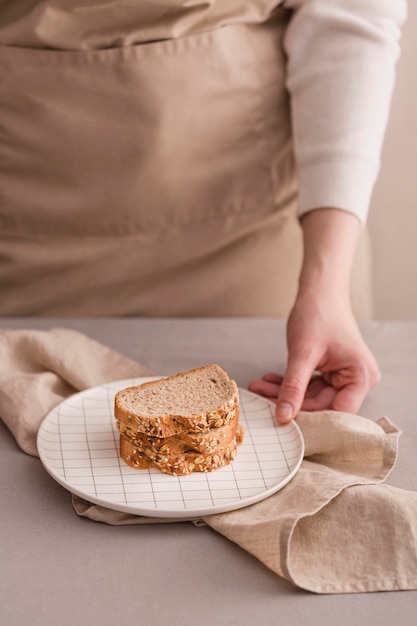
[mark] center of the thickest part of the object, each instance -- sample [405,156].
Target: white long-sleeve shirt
[341,69]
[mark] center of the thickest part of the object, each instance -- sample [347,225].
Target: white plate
[78,444]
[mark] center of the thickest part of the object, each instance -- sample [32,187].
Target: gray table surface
[58,569]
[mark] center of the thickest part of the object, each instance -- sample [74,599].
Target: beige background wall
[393,216]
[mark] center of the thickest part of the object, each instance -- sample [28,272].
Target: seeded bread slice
[205,443]
[193,401]
[176,464]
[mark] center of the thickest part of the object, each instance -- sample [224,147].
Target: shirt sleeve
[340,75]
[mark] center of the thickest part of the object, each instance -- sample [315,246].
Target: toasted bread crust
[178,464]
[205,443]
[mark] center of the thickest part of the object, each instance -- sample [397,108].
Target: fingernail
[284,412]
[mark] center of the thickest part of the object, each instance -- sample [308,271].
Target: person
[160,158]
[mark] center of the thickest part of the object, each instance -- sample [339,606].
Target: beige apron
[150,177]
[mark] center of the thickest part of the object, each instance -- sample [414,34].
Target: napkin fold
[335,528]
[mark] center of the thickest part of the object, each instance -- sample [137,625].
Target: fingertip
[284,412]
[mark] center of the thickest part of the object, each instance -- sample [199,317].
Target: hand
[322,336]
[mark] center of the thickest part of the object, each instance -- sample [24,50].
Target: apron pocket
[145,138]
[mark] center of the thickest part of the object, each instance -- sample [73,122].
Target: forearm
[330,237]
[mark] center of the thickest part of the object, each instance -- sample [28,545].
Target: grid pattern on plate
[78,443]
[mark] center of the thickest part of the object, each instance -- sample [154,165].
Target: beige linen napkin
[335,528]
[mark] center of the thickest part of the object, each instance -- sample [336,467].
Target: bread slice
[176,464]
[205,443]
[193,401]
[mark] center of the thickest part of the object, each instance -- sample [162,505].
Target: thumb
[293,387]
